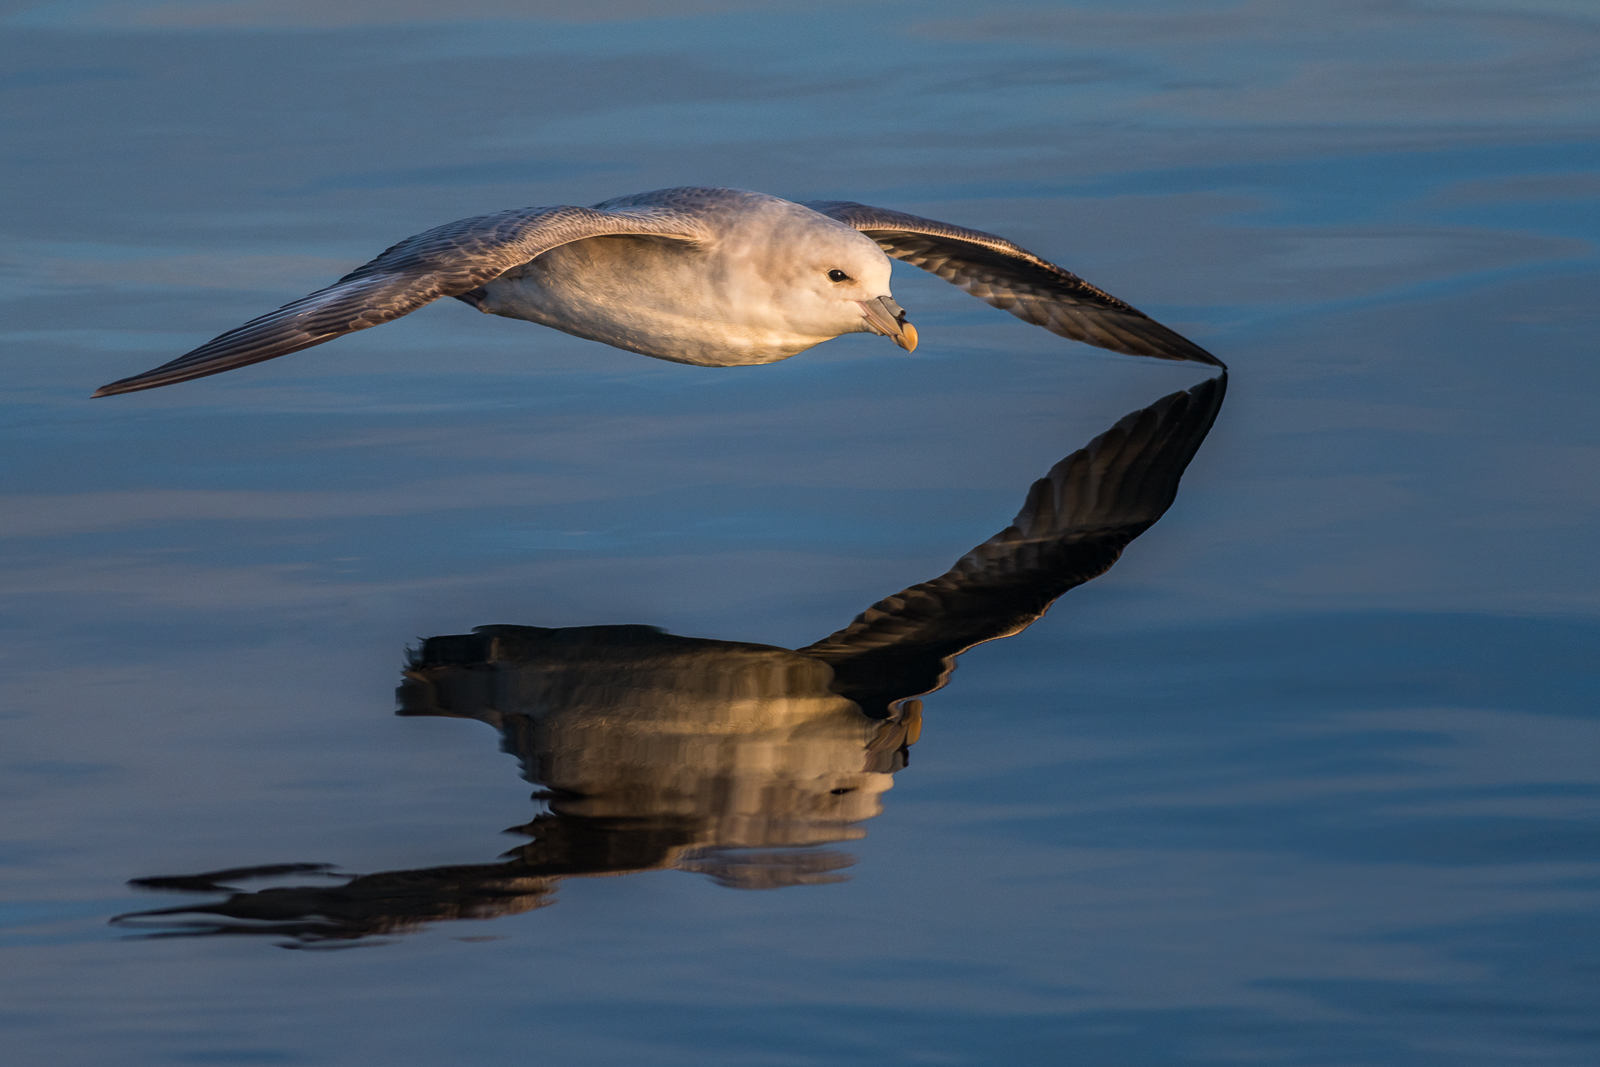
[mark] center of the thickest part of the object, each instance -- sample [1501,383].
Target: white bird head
[822,277]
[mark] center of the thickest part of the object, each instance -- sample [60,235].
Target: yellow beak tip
[908,337]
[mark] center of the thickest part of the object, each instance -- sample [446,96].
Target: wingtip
[151,379]
[123,385]
[1195,354]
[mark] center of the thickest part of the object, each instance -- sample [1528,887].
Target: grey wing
[1072,527]
[448,260]
[1013,279]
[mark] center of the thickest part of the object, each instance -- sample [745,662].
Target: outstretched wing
[447,260]
[1073,526]
[1013,279]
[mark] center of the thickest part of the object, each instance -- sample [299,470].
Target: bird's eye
[838,276]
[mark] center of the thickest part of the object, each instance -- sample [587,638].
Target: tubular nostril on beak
[888,318]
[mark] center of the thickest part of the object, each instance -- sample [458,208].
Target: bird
[704,276]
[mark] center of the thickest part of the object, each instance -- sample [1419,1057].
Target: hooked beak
[886,317]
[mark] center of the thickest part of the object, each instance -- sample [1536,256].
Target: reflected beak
[886,317]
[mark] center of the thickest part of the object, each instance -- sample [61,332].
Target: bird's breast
[663,298]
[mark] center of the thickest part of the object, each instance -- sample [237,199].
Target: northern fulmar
[713,277]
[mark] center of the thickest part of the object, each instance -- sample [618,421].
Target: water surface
[1309,777]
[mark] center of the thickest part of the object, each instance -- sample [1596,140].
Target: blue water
[1312,776]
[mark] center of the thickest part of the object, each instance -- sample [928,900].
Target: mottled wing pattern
[1072,527]
[448,260]
[1013,279]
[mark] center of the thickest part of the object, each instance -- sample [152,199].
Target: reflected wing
[448,260]
[1013,279]
[390,902]
[1073,526]
[402,902]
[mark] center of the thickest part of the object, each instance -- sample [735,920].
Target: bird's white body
[724,301]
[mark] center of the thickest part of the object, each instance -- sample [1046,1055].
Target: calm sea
[1311,777]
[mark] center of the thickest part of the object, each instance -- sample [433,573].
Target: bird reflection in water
[729,759]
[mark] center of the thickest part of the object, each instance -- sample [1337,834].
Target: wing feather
[448,260]
[1073,525]
[1013,279]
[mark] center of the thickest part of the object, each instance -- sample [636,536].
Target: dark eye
[838,276]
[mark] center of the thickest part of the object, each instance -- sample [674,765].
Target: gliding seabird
[712,277]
